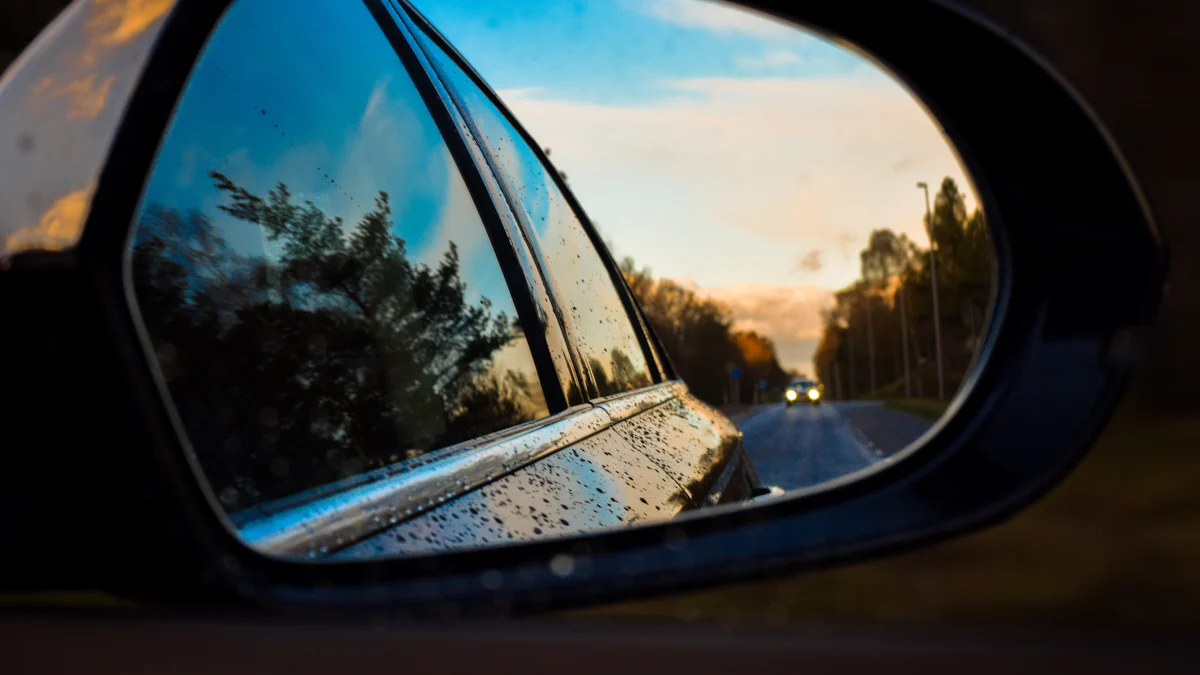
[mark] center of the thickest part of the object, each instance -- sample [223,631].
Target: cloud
[720,158]
[778,311]
[520,92]
[715,17]
[809,262]
[735,183]
[459,224]
[774,58]
[850,245]
[789,315]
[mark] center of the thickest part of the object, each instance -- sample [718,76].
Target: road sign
[737,373]
[762,384]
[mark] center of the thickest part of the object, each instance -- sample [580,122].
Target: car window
[582,284]
[309,265]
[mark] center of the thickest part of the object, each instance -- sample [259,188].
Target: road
[806,445]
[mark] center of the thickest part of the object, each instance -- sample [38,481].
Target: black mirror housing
[1081,274]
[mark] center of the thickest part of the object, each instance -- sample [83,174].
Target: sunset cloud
[789,315]
[752,168]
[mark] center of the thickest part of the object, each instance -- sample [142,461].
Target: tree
[331,355]
[947,225]
[698,335]
[694,331]
[893,300]
[759,364]
[884,257]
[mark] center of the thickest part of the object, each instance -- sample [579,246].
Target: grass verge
[925,408]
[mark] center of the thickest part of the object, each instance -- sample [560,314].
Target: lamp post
[904,329]
[937,317]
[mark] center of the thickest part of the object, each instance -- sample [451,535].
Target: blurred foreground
[1116,545]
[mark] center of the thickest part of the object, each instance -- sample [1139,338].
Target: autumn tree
[699,336]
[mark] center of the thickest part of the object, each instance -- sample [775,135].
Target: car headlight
[791,394]
[813,394]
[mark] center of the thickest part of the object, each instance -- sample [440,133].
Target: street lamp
[937,317]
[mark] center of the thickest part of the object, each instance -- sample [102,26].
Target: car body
[803,392]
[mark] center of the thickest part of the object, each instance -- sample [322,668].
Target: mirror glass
[699,257]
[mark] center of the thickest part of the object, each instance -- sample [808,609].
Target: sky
[743,157]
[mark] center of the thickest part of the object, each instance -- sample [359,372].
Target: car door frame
[634,314]
[560,384]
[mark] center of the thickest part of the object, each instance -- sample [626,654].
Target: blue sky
[744,157]
[624,47]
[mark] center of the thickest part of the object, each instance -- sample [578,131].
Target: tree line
[699,336]
[882,325]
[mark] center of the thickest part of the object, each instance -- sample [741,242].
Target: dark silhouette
[331,355]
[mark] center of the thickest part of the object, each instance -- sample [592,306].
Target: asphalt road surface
[806,445]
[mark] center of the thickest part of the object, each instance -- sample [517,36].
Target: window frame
[556,391]
[657,367]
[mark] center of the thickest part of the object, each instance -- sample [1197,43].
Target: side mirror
[351,342]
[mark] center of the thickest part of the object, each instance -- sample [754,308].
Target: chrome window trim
[320,521]
[506,196]
[629,403]
[562,350]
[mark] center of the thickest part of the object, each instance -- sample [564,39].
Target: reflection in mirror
[322,270]
[317,284]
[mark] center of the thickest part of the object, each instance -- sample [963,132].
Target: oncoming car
[803,391]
